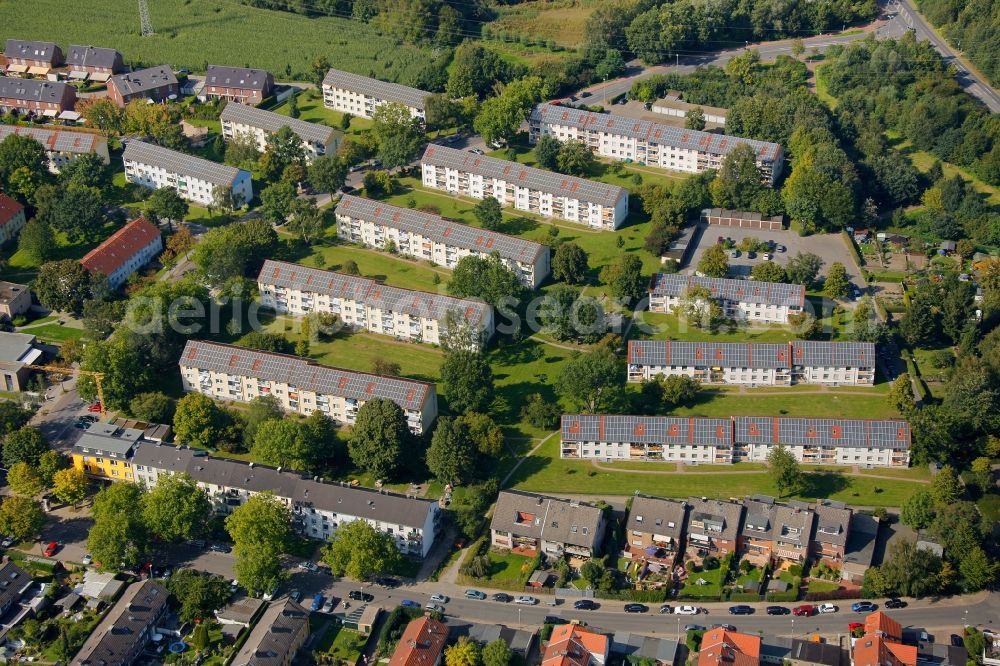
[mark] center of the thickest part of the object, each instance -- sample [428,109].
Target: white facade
[258,124]
[690,454]
[361,95]
[136,261]
[742,300]
[61,146]
[194,178]
[764,313]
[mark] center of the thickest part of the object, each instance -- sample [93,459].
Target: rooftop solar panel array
[833,354]
[180,163]
[524,176]
[368,291]
[653,133]
[743,291]
[847,433]
[272,122]
[303,374]
[390,92]
[60,141]
[440,230]
[711,354]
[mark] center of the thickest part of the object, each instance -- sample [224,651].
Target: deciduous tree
[21,518]
[464,652]
[24,445]
[803,268]
[624,278]
[165,204]
[714,262]
[70,485]
[489,213]
[153,407]
[451,457]
[836,284]
[400,136]
[118,536]
[176,508]
[918,510]
[198,594]
[468,380]
[593,381]
[785,471]
[487,278]
[327,174]
[378,438]
[569,263]
[260,529]
[574,158]
[24,479]
[359,551]
[199,421]
[65,285]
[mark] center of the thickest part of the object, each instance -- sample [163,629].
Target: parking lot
[830,247]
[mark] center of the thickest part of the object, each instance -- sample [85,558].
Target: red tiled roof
[880,623]
[573,645]
[720,647]
[8,209]
[421,643]
[109,256]
[874,650]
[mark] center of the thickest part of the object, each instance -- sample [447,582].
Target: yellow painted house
[105,452]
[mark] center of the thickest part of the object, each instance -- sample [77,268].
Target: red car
[804,610]
[95,408]
[51,549]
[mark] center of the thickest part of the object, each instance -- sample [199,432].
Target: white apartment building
[194,178]
[363,303]
[317,507]
[749,300]
[361,95]
[754,363]
[435,239]
[259,124]
[125,252]
[227,372]
[61,146]
[696,440]
[653,144]
[596,205]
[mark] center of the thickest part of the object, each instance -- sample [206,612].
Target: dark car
[586,604]
[358,595]
[742,609]
[693,627]
[666,609]
[502,598]
[219,548]
[636,608]
[893,604]
[751,254]
[388,582]
[317,603]
[409,603]
[723,625]
[778,610]
[864,607]
[956,641]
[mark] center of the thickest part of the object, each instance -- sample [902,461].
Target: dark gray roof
[759,519]
[13,346]
[441,230]
[383,90]
[851,433]
[31,50]
[680,246]
[655,133]
[524,176]
[127,625]
[303,373]
[744,291]
[92,56]
[180,163]
[833,521]
[861,540]
[812,652]
[365,290]
[301,490]
[549,518]
[13,583]
[657,515]
[638,646]
[519,640]
[272,122]
[108,439]
[793,524]
[60,141]
[272,641]
[833,354]
[237,77]
[241,610]
[32,90]
[700,354]
[750,216]
[726,517]
[647,429]
[143,80]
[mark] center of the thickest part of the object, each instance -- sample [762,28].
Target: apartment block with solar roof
[361,95]
[363,303]
[435,239]
[596,205]
[698,440]
[749,300]
[194,178]
[62,146]
[227,372]
[653,144]
[754,363]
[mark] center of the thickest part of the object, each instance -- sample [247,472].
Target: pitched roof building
[125,252]
[882,644]
[97,63]
[14,582]
[767,302]
[194,178]
[276,637]
[61,146]
[258,123]
[155,83]
[422,643]
[105,451]
[126,629]
[721,647]
[44,97]
[17,350]
[713,527]
[529,522]
[829,537]
[575,645]
[15,299]
[655,529]
[237,84]
[32,57]
[361,95]
[12,218]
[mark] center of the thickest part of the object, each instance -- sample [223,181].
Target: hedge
[646,596]
[833,594]
[858,259]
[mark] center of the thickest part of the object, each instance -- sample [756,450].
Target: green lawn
[508,568]
[822,586]
[311,110]
[614,173]
[668,326]
[627,465]
[342,643]
[393,270]
[770,402]
[924,160]
[56,333]
[711,590]
[989,506]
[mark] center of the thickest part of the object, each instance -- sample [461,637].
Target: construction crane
[98,376]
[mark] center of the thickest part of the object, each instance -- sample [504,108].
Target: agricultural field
[193,34]
[561,22]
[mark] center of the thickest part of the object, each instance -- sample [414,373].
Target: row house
[776,533]
[422,643]
[317,507]
[25,56]
[105,452]
[741,300]
[62,146]
[754,363]
[127,628]
[829,538]
[12,218]
[528,523]
[361,95]
[276,638]
[227,372]
[363,303]
[194,178]
[94,63]
[240,119]
[596,205]
[237,84]
[654,530]
[435,239]
[573,644]
[694,440]
[154,83]
[713,528]
[48,98]
[649,143]
[125,251]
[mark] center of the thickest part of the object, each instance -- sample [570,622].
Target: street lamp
[678,628]
[518,617]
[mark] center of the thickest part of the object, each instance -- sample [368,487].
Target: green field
[561,21]
[194,33]
[311,109]
[769,402]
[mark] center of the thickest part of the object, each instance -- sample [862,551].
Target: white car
[88,559]
[434,608]
[525,600]
[439,598]
[827,608]
[308,566]
[687,610]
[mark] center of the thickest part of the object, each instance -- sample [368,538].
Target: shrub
[711,563]
[795,570]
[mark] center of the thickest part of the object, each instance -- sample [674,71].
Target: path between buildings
[605,468]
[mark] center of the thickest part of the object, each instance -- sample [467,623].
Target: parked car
[434,608]
[751,254]
[741,609]
[309,566]
[666,609]
[766,256]
[805,610]
[586,604]
[477,151]
[525,600]
[327,607]
[358,595]
[863,607]
[636,608]
[388,582]
[409,603]
[7,542]
[317,603]
[686,610]
[827,608]
[475,594]
[295,595]
[693,627]
[723,625]
[895,603]
[219,548]
[781,248]
[51,549]
[502,597]
[439,598]
[778,610]
[196,543]
[734,253]
[88,559]
[956,641]
[584,94]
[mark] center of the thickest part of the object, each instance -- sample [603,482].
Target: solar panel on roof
[746,291]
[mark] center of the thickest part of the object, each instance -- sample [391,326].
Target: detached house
[528,523]
[26,56]
[237,84]
[654,530]
[125,252]
[576,645]
[713,528]
[154,83]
